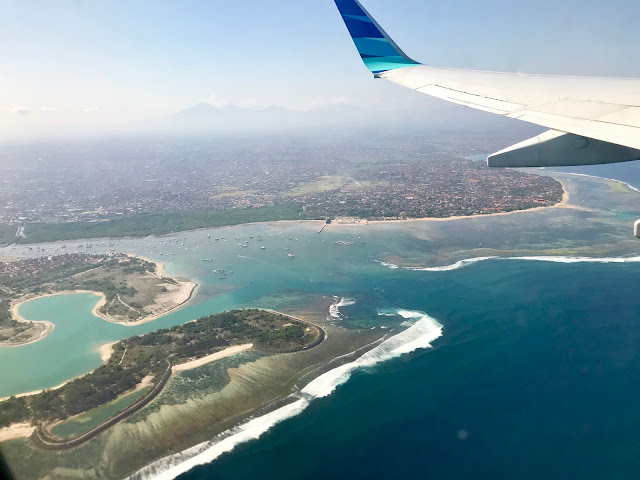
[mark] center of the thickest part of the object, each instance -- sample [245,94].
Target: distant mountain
[206,111]
[206,117]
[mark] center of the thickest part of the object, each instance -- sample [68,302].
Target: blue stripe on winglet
[378,51]
[358,28]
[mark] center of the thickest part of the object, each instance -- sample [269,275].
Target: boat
[291,255]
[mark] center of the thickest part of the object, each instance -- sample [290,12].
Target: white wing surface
[592,120]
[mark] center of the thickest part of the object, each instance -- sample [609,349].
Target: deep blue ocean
[537,375]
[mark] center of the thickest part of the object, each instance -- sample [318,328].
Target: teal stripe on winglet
[383,64]
[359,17]
[377,50]
[374,46]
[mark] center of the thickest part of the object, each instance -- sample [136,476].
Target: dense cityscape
[397,177]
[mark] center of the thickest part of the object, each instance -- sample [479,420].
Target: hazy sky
[101,64]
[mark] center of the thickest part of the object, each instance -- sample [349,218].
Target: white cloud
[220,101]
[91,109]
[20,110]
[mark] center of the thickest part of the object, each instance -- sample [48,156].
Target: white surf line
[418,336]
[559,259]
[334,309]
[627,184]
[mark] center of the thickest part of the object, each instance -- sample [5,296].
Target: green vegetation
[156,223]
[13,410]
[8,234]
[6,320]
[32,272]
[145,356]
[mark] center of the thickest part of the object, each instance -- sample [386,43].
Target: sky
[80,65]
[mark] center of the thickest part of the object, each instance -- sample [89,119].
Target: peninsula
[133,290]
[147,362]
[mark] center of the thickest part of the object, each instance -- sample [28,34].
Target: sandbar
[17,430]
[227,352]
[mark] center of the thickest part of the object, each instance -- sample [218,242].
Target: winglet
[378,52]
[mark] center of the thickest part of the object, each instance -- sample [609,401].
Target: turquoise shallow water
[72,348]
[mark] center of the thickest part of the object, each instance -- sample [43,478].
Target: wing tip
[377,50]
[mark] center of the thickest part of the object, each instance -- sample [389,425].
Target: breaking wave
[334,309]
[419,335]
[422,332]
[455,266]
[627,184]
[559,259]
[389,265]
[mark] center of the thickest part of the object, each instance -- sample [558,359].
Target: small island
[133,290]
[147,362]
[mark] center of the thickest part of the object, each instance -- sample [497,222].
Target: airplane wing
[591,120]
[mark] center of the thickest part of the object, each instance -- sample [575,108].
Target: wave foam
[172,466]
[334,309]
[392,266]
[627,184]
[559,259]
[420,335]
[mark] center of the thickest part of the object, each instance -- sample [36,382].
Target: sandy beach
[359,222]
[227,352]
[36,392]
[165,304]
[106,351]
[18,430]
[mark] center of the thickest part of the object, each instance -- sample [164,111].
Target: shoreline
[106,351]
[561,204]
[564,203]
[150,318]
[158,235]
[36,392]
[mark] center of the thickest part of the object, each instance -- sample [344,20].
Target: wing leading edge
[591,120]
